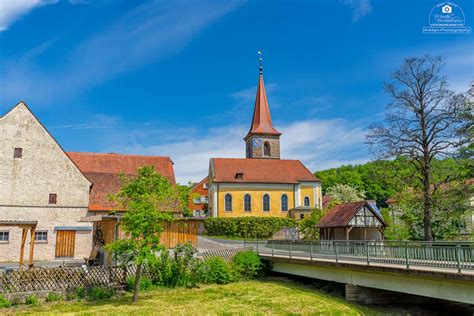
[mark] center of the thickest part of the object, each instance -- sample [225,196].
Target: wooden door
[65,243]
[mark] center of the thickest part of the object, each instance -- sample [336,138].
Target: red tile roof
[103,170]
[340,215]
[262,120]
[261,171]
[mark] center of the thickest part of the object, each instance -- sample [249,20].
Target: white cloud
[320,144]
[12,10]
[360,8]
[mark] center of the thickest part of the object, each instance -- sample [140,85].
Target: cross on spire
[260,59]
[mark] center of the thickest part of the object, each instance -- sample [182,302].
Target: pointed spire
[262,120]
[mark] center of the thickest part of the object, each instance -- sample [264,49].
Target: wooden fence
[63,279]
[180,232]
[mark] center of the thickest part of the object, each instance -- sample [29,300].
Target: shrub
[246,227]
[145,283]
[80,293]
[216,270]
[4,302]
[32,300]
[53,297]
[70,296]
[247,264]
[307,226]
[100,293]
[177,270]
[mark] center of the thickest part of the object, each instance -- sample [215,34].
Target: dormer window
[18,153]
[239,176]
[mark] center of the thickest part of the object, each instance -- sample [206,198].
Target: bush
[100,293]
[70,296]
[307,226]
[4,302]
[177,270]
[32,300]
[80,293]
[216,270]
[247,264]
[53,297]
[145,283]
[246,227]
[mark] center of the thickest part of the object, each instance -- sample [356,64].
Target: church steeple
[263,140]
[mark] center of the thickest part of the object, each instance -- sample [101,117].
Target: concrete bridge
[441,270]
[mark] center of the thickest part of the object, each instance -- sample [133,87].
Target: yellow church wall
[257,201]
[308,191]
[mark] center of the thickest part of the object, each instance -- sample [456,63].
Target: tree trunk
[136,285]
[427,212]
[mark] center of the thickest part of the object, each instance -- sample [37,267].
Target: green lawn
[251,297]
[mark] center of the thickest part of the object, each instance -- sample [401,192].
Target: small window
[266,149]
[306,201]
[53,197]
[41,236]
[205,185]
[18,153]
[228,202]
[284,203]
[239,176]
[266,203]
[247,203]
[4,236]
[301,216]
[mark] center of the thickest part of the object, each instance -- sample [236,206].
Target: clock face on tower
[256,142]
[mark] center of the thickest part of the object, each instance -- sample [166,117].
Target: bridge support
[364,295]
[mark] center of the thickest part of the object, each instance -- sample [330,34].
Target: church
[262,184]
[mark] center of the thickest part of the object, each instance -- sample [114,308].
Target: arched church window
[247,203]
[306,201]
[284,203]
[228,202]
[266,149]
[266,203]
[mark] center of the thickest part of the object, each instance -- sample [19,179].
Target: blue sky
[179,78]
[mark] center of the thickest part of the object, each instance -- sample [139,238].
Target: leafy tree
[148,200]
[344,193]
[185,195]
[450,208]
[308,227]
[424,121]
[382,179]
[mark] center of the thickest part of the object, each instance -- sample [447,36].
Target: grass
[251,297]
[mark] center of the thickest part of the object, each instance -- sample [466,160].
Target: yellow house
[262,184]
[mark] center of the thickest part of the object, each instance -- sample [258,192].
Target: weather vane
[260,59]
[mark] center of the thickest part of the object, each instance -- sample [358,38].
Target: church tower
[262,140]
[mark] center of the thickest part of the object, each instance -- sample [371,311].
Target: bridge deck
[303,259]
[448,260]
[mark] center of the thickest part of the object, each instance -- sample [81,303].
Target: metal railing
[439,254]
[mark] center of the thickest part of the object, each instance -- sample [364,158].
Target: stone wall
[48,219]
[257,152]
[27,182]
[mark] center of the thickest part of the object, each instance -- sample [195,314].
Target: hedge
[246,227]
